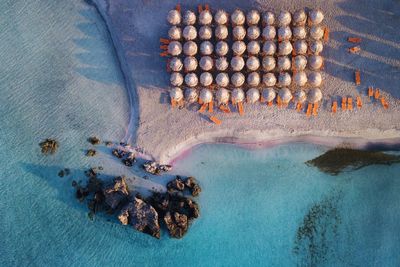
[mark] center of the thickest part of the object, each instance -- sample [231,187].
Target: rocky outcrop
[176,185]
[177,224]
[116,193]
[142,216]
[49,146]
[193,186]
[180,185]
[155,168]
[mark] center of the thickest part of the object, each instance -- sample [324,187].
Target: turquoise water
[60,78]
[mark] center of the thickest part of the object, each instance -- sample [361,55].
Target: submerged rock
[336,160]
[91,153]
[142,216]
[94,140]
[116,193]
[49,146]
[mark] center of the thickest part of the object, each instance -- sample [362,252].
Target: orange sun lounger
[240,107]
[315,109]
[370,91]
[309,109]
[357,77]
[215,120]
[344,103]
[377,93]
[203,108]
[350,103]
[359,103]
[211,107]
[334,107]
[354,40]
[225,108]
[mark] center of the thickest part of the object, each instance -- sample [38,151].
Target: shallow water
[60,78]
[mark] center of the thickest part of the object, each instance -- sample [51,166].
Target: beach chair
[326,34]
[357,77]
[344,103]
[241,109]
[203,108]
[299,107]
[370,92]
[359,103]
[225,108]
[384,103]
[334,107]
[377,93]
[164,41]
[211,107]
[354,40]
[178,7]
[270,103]
[215,120]
[200,8]
[309,109]
[350,103]
[355,49]
[207,7]
[279,101]
[315,109]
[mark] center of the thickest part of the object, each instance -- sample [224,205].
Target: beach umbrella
[284,63]
[221,32]
[315,62]
[176,79]
[206,63]
[284,18]
[191,95]
[176,94]
[316,47]
[314,79]
[190,64]
[189,18]
[174,48]
[237,79]
[221,17]
[269,48]
[252,63]
[205,17]
[190,48]
[238,17]
[269,79]
[285,95]
[268,18]
[175,33]
[222,48]
[300,78]
[314,95]
[268,94]
[237,63]
[175,64]
[238,48]
[206,79]
[222,79]
[299,32]
[206,48]
[221,64]
[284,79]
[299,18]
[285,48]
[269,32]
[300,47]
[253,17]
[253,79]
[316,32]
[189,33]
[174,17]
[205,33]
[237,95]
[253,32]
[239,32]
[252,95]
[222,96]
[300,96]
[284,33]
[315,17]
[300,63]
[268,63]
[206,96]
[191,79]
[253,48]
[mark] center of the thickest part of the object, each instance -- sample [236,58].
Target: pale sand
[164,133]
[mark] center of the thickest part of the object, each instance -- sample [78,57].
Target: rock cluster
[94,140]
[155,168]
[180,185]
[49,146]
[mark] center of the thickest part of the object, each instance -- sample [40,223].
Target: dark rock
[74,183]
[193,186]
[142,216]
[100,168]
[67,171]
[116,193]
[94,140]
[81,193]
[195,191]
[165,168]
[61,173]
[177,224]
[91,152]
[118,153]
[176,184]
[91,173]
[49,146]
[108,143]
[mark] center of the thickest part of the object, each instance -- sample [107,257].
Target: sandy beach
[163,133]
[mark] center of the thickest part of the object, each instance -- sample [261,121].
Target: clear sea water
[60,78]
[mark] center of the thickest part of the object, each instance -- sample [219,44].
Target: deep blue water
[60,78]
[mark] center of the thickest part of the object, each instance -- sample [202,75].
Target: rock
[118,153]
[61,173]
[81,193]
[108,143]
[151,167]
[195,191]
[74,183]
[67,171]
[130,159]
[49,146]
[176,184]
[116,193]
[193,186]
[193,209]
[142,216]
[177,224]
[165,168]
[91,173]
[94,140]
[91,152]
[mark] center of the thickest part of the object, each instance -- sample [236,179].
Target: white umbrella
[222,96]
[252,63]
[176,64]
[314,79]
[237,95]
[253,32]
[238,48]
[285,95]
[300,96]
[222,48]
[316,17]
[206,79]
[239,32]
[222,79]
[237,63]
[253,95]
[284,18]
[191,80]
[221,32]
[268,18]
[316,47]
[189,33]
[285,48]
[175,33]
[206,48]
[253,79]
[189,18]
[176,79]
[315,62]
[174,17]
[176,94]
[269,48]
[253,48]
[314,95]
[190,64]
[190,48]
[221,17]
[221,64]
[268,63]
[238,17]
[300,63]
[174,48]
[300,47]
[300,78]
[268,94]
[191,95]
[205,17]
[206,96]
[284,33]
[284,79]
[299,32]
[253,17]
[316,32]
[284,63]
[237,79]
[269,32]
[269,79]
[206,63]
[299,18]
[205,33]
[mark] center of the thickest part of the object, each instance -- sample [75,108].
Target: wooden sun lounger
[309,109]
[299,107]
[279,101]
[370,91]
[178,7]
[344,103]
[355,49]
[377,93]
[173,103]
[240,107]
[270,104]
[207,7]
[326,34]
[350,103]
[200,8]
[315,109]
[225,108]
[215,120]
[211,107]
[164,47]
[334,107]
[354,40]
[203,108]
[164,41]
[357,77]
[384,103]
[164,54]
[359,103]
